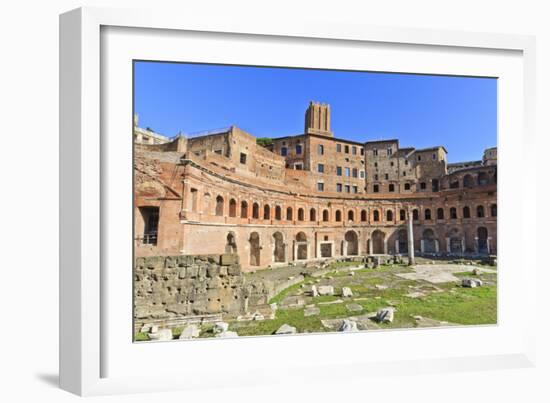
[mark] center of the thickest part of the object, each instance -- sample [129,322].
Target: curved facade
[309,197]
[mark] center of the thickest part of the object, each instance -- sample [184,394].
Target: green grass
[277,299]
[141,336]
[466,306]
[453,304]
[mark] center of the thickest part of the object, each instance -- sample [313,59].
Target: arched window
[415,214]
[453,213]
[440,213]
[427,214]
[300,214]
[389,215]
[255,211]
[363,215]
[407,186]
[402,215]
[493,210]
[325,215]
[267,212]
[232,208]
[468,181]
[244,209]
[375,215]
[312,214]
[482,179]
[338,216]
[289,213]
[219,206]
[277,212]
[391,187]
[480,211]
[466,212]
[350,215]
[284,151]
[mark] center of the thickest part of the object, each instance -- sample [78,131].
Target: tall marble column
[410,237]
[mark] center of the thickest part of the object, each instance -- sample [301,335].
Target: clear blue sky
[420,110]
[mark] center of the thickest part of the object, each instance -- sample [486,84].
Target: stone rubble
[286,329]
[385,315]
[346,292]
[161,335]
[348,326]
[190,332]
[326,290]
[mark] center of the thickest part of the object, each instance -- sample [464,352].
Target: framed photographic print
[249,193]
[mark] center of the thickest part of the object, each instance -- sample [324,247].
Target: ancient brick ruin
[308,197]
[173,290]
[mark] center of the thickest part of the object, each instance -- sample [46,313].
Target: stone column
[489,245]
[476,245]
[410,237]
[385,246]
[437,246]
[397,251]
[370,245]
[344,248]
[422,246]
[463,245]
[295,248]
[448,241]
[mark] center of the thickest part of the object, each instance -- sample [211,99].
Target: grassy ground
[374,289]
[447,302]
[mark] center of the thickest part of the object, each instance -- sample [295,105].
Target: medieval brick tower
[318,119]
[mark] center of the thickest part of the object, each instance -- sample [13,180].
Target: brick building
[309,197]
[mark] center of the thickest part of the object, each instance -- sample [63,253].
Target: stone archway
[377,239]
[455,242]
[231,243]
[254,243]
[301,247]
[481,239]
[278,248]
[429,243]
[402,242]
[352,243]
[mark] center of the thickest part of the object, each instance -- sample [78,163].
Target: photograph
[273,201]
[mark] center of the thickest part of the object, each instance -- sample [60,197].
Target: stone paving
[439,273]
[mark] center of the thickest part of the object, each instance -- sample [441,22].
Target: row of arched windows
[376,215]
[453,213]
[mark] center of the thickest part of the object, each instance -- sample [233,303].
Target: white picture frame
[87,174]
